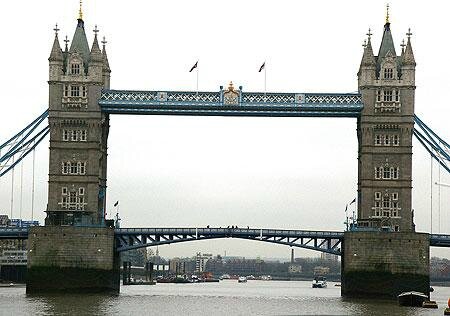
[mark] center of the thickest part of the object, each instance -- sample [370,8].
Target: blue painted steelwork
[20,145]
[13,232]
[245,103]
[438,148]
[134,238]
[438,240]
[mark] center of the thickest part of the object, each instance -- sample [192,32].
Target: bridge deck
[218,104]
[134,238]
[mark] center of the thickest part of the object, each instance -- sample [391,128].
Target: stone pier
[72,259]
[385,264]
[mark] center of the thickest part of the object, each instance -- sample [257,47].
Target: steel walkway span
[133,238]
[13,233]
[439,240]
[231,103]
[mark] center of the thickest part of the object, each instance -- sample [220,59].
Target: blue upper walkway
[231,102]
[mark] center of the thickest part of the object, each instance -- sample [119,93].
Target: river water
[225,298]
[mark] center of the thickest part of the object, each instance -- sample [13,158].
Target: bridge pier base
[72,259]
[385,264]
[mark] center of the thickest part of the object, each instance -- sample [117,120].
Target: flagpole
[346,217]
[197,78]
[265,79]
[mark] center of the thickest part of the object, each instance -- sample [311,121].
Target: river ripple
[225,298]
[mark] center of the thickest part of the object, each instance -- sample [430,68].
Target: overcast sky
[289,173]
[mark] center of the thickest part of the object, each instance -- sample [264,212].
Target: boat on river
[412,299]
[319,282]
[242,279]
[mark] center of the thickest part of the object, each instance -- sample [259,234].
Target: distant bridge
[134,238]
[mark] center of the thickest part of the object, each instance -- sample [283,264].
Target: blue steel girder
[134,238]
[244,104]
[20,145]
[439,240]
[13,233]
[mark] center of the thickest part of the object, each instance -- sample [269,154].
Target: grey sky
[197,171]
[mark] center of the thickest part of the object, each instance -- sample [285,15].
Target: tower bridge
[76,243]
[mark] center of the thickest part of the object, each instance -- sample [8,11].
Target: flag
[346,208]
[354,200]
[195,66]
[262,67]
[117,203]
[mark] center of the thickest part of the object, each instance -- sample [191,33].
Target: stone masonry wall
[67,258]
[385,263]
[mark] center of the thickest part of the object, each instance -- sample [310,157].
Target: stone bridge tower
[385,128]
[78,131]
[390,257]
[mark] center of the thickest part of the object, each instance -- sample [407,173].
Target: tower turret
[78,132]
[409,62]
[95,60]
[367,69]
[106,68]
[56,59]
[385,136]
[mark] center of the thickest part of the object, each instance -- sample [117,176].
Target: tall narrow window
[82,168]
[378,172]
[388,73]
[397,96]
[386,173]
[83,136]
[73,168]
[74,91]
[66,90]
[386,140]
[387,96]
[65,135]
[84,92]
[396,140]
[65,167]
[75,69]
[379,95]
[377,139]
[395,173]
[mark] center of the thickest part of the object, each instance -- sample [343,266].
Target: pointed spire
[105,56]
[402,45]
[96,54]
[56,53]
[368,58]
[408,57]
[67,42]
[387,43]
[79,42]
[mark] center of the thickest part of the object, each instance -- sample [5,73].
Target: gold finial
[364,44]
[387,13]
[230,86]
[80,12]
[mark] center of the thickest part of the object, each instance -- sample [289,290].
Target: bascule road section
[324,241]
[231,102]
[78,249]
